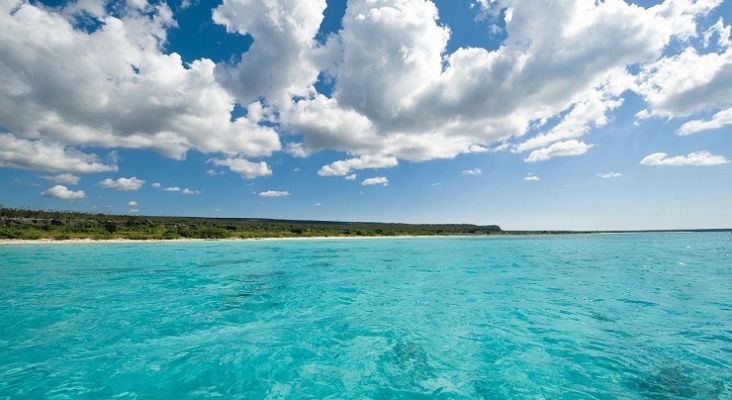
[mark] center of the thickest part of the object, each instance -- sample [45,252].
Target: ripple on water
[572,317]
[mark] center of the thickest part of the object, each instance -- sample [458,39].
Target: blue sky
[531,115]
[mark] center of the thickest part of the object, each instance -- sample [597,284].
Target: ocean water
[641,316]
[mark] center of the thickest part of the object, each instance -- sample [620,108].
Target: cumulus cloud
[351,177]
[284,59]
[42,155]
[379,180]
[245,168]
[156,185]
[132,203]
[687,83]
[718,120]
[344,167]
[274,193]
[137,96]
[610,175]
[531,177]
[68,179]
[180,190]
[62,192]
[475,171]
[398,94]
[721,31]
[585,113]
[568,148]
[124,184]
[699,158]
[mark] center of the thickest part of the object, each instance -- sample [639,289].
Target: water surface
[645,316]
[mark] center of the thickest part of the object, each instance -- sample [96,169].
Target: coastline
[45,241]
[10,242]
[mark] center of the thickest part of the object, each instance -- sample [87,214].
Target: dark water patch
[319,264]
[619,333]
[601,317]
[679,382]
[638,302]
[262,277]
[726,338]
[252,302]
[407,366]
[163,270]
[219,263]
[484,389]
[722,306]
[118,270]
[258,291]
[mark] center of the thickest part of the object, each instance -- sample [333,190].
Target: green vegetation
[62,225]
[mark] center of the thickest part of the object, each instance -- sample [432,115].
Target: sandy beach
[8,242]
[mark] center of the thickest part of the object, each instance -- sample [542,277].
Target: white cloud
[136,96]
[245,168]
[61,192]
[719,120]
[284,59]
[568,148]
[133,211]
[475,171]
[318,204]
[379,180]
[351,177]
[586,112]
[68,179]
[699,158]
[723,33]
[531,177]
[398,94]
[274,193]
[684,84]
[344,167]
[180,190]
[124,184]
[156,185]
[42,155]
[610,175]
[132,203]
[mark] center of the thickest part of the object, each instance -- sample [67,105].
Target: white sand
[5,242]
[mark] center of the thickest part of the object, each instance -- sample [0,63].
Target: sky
[538,115]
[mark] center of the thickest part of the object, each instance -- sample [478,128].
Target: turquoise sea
[629,316]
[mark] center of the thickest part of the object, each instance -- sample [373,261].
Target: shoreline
[10,242]
[45,241]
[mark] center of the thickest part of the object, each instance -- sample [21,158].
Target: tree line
[59,225]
